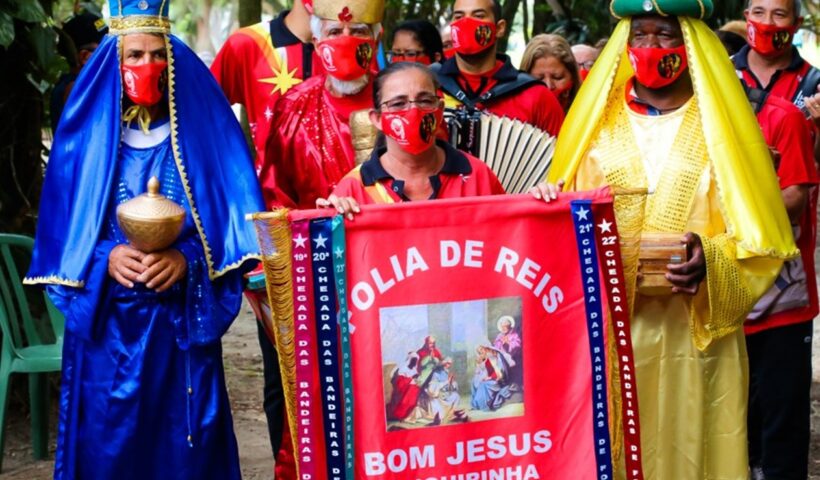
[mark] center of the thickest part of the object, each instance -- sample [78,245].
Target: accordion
[518,153]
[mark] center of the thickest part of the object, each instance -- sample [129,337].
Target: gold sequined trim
[139,24]
[53,280]
[183,175]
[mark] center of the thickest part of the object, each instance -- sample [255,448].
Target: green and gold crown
[700,9]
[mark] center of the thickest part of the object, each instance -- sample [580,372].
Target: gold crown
[357,11]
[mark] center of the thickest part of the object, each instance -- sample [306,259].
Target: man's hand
[686,277]
[776,157]
[163,269]
[813,106]
[125,265]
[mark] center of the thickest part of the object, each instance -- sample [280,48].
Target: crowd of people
[720,128]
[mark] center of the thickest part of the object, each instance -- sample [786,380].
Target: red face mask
[449,53]
[346,57]
[562,94]
[413,129]
[769,40]
[583,73]
[422,59]
[471,35]
[658,67]
[144,83]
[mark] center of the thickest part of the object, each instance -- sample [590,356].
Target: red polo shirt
[786,130]
[461,176]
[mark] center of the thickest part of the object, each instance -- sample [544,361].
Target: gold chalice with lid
[151,222]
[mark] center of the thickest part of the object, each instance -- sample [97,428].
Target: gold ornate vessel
[363,134]
[151,222]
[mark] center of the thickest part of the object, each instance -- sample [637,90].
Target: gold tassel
[139,113]
[274,234]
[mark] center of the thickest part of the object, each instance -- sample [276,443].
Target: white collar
[135,138]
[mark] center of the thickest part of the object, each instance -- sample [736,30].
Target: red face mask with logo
[413,129]
[422,59]
[658,67]
[769,40]
[144,83]
[583,73]
[471,35]
[346,57]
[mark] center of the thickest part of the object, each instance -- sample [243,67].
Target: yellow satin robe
[690,352]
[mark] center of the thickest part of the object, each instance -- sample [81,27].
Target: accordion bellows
[518,153]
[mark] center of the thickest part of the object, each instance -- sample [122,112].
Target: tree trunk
[508,13]
[250,12]
[21,165]
[203,29]
[526,19]
[540,16]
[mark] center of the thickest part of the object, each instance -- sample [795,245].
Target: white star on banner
[582,213]
[300,241]
[268,113]
[320,241]
[605,226]
[339,253]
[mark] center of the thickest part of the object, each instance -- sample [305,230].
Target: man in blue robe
[143,389]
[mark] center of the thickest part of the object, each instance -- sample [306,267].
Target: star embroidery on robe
[268,113]
[283,80]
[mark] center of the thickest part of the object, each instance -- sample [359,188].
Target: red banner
[476,350]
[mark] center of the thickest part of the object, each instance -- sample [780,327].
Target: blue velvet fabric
[80,174]
[143,392]
[132,356]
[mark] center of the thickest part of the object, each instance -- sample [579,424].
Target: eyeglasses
[401,104]
[587,65]
[407,55]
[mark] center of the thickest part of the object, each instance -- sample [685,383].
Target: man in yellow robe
[662,111]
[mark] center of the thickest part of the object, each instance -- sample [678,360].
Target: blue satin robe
[143,391]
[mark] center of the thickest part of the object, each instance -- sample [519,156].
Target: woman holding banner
[410,163]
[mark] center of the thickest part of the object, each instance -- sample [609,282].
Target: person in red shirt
[410,164]
[480,78]
[771,63]
[255,67]
[779,329]
[261,62]
[310,146]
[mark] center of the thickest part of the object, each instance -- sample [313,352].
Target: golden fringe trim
[139,24]
[183,175]
[53,280]
[274,233]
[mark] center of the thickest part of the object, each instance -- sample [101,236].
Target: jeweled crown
[139,16]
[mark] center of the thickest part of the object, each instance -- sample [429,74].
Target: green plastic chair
[28,346]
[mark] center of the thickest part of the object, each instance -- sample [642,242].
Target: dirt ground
[243,371]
